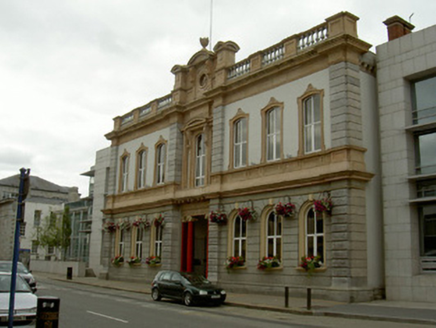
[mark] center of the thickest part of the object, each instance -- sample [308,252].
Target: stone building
[406,73]
[43,198]
[293,124]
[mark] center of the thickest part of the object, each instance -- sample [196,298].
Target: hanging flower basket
[109,227]
[268,262]
[234,261]
[117,260]
[310,263]
[159,221]
[284,210]
[217,217]
[134,261]
[123,225]
[141,223]
[247,214]
[153,260]
[323,205]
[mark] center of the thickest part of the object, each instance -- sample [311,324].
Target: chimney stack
[397,27]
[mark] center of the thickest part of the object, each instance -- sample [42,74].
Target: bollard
[309,298]
[69,273]
[286,297]
[47,312]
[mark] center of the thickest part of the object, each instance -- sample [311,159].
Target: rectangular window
[239,237]
[314,234]
[427,216]
[35,245]
[200,161]
[425,148]
[141,168]
[273,134]
[312,124]
[160,164]
[23,229]
[138,242]
[424,100]
[426,188]
[274,236]
[121,242]
[158,241]
[37,218]
[240,143]
[124,173]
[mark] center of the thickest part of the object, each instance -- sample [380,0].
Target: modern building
[406,74]
[295,123]
[43,198]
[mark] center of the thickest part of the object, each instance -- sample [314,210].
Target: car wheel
[155,294]
[188,299]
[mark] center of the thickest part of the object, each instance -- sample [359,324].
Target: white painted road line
[108,317]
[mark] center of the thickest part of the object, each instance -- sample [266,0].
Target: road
[84,306]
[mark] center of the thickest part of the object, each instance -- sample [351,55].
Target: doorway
[194,253]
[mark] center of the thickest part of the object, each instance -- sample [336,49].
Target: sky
[68,67]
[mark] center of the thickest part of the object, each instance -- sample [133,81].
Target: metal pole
[309,298]
[286,297]
[20,206]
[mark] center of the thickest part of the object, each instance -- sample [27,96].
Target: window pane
[279,226]
[316,108]
[310,222]
[308,138]
[237,249]
[270,247]
[426,153]
[270,225]
[243,248]
[243,228]
[270,146]
[427,215]
[237,155]
[278,248]
[310,246]
[320,248]
[308,119]
[243,129]
[319,224]
[425,101]
[244,154]
[237,231]
[317,128]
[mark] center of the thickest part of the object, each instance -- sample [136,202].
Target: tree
[53,234]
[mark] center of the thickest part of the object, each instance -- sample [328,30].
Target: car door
[164,284]
[177,287]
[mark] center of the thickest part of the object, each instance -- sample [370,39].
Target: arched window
[312,124]
[274,236]
[239,247]
[200,160]
[314,234]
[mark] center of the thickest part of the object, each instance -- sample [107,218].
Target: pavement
[380,310]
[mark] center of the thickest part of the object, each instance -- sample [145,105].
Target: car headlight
[203,292]
[223,292]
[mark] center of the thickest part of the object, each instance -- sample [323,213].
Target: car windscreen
[20,285]
[7,267]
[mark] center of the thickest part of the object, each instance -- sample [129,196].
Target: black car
[188,287]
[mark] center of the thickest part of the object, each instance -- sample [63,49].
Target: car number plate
[215,296]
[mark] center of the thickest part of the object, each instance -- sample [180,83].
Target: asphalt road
[94,307]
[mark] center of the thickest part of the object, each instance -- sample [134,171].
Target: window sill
[322,269]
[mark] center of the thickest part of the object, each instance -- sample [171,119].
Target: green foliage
[54,233]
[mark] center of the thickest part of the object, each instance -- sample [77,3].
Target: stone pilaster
[218,139]
[175,154]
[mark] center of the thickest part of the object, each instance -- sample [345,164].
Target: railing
[127,118]
[424,115]
[164,101]
[145,110]
[312,37]
[273,54]
[241,68]
[277,52]
[428,264]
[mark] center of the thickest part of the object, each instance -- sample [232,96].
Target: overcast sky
[68,67]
